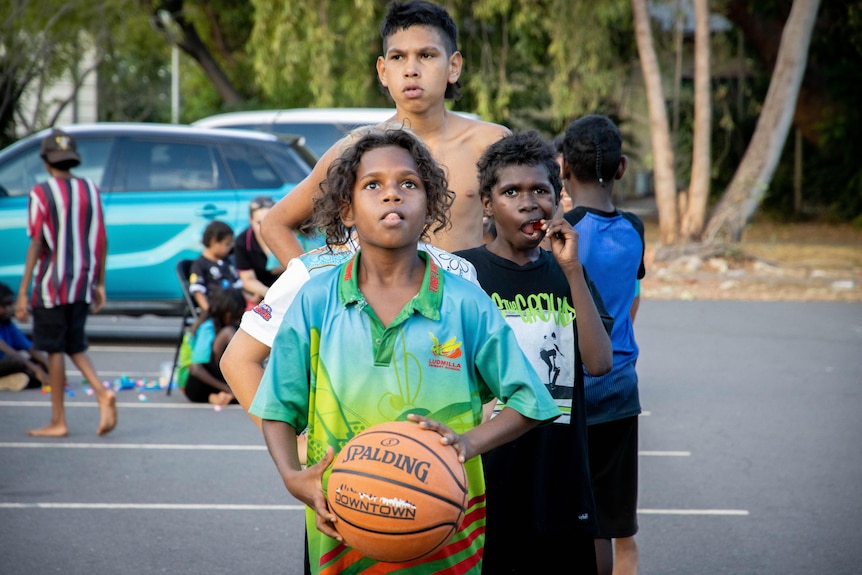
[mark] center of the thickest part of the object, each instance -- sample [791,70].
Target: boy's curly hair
[337,188]
[528,148]
[592,148]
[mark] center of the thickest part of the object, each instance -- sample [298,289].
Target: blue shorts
[61,329]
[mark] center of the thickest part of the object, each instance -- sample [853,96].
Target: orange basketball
[399,494]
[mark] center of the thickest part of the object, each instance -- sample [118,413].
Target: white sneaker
[14,381]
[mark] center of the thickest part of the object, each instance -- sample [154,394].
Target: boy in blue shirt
[358,347]
[612,250]
[540,500]
[20,365]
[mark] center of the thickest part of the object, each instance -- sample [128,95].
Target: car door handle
[210,211]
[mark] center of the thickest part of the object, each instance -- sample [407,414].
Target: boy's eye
[410,184]
[540,191]
[510,192]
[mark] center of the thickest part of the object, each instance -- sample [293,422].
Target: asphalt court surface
[749,458]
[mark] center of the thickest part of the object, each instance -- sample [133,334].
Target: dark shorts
[529,553]
[614,468]
[10,364]
[198,391]
[61,329]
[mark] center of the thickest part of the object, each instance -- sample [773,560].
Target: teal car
[160,185]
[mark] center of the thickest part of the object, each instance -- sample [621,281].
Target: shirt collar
[427,301]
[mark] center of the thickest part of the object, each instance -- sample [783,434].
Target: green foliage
[527,64]
[316,54]
[42,41]
[832,174]
[135,77]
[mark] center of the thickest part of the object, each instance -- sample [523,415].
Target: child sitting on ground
[21,366]
[209,338]
[212,271]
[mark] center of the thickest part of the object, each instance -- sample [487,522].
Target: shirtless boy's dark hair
[403,15]
[528,148]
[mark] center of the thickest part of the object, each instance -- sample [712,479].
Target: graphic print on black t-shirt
[550,348]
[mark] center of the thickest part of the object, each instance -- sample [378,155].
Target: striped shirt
[67,215]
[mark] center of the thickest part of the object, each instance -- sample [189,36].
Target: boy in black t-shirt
[540,501]
[212,271]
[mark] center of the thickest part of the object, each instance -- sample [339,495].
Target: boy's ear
[487,208]
[566,171]
[381,71]
[456,61]
[621,168]
[347,215]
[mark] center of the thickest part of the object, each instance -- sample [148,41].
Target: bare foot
[107,412]
[50,430]
[220,398]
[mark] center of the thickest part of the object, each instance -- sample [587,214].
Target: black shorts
[10,364]
[614,468]
[528,553]
[61,329]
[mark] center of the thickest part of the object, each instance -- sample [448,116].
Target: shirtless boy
[420,67]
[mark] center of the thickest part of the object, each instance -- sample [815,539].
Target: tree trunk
[665,181]
[749,184]
[190,42]
[701,164]
[814,103]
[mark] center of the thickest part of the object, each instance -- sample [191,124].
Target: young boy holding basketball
[538,486]
[359,346]
[420,69]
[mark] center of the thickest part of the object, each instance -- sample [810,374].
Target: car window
[21,173]
[292,165]
[151,165]
[318,137]
[249,168]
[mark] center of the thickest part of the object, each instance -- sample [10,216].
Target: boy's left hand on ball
[448,437]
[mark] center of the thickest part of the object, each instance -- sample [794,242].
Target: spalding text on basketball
[409,465]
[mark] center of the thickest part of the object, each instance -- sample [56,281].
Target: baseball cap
[58,147]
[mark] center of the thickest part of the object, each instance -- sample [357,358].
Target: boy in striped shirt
[68,247]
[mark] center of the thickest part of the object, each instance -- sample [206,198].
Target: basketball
[399,494]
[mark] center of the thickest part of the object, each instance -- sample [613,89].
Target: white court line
[733,512]
[216,447]
[156,506]
[129,349]
[171,446]
[74,374]
[139,405]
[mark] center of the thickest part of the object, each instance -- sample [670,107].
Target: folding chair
[190,314]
